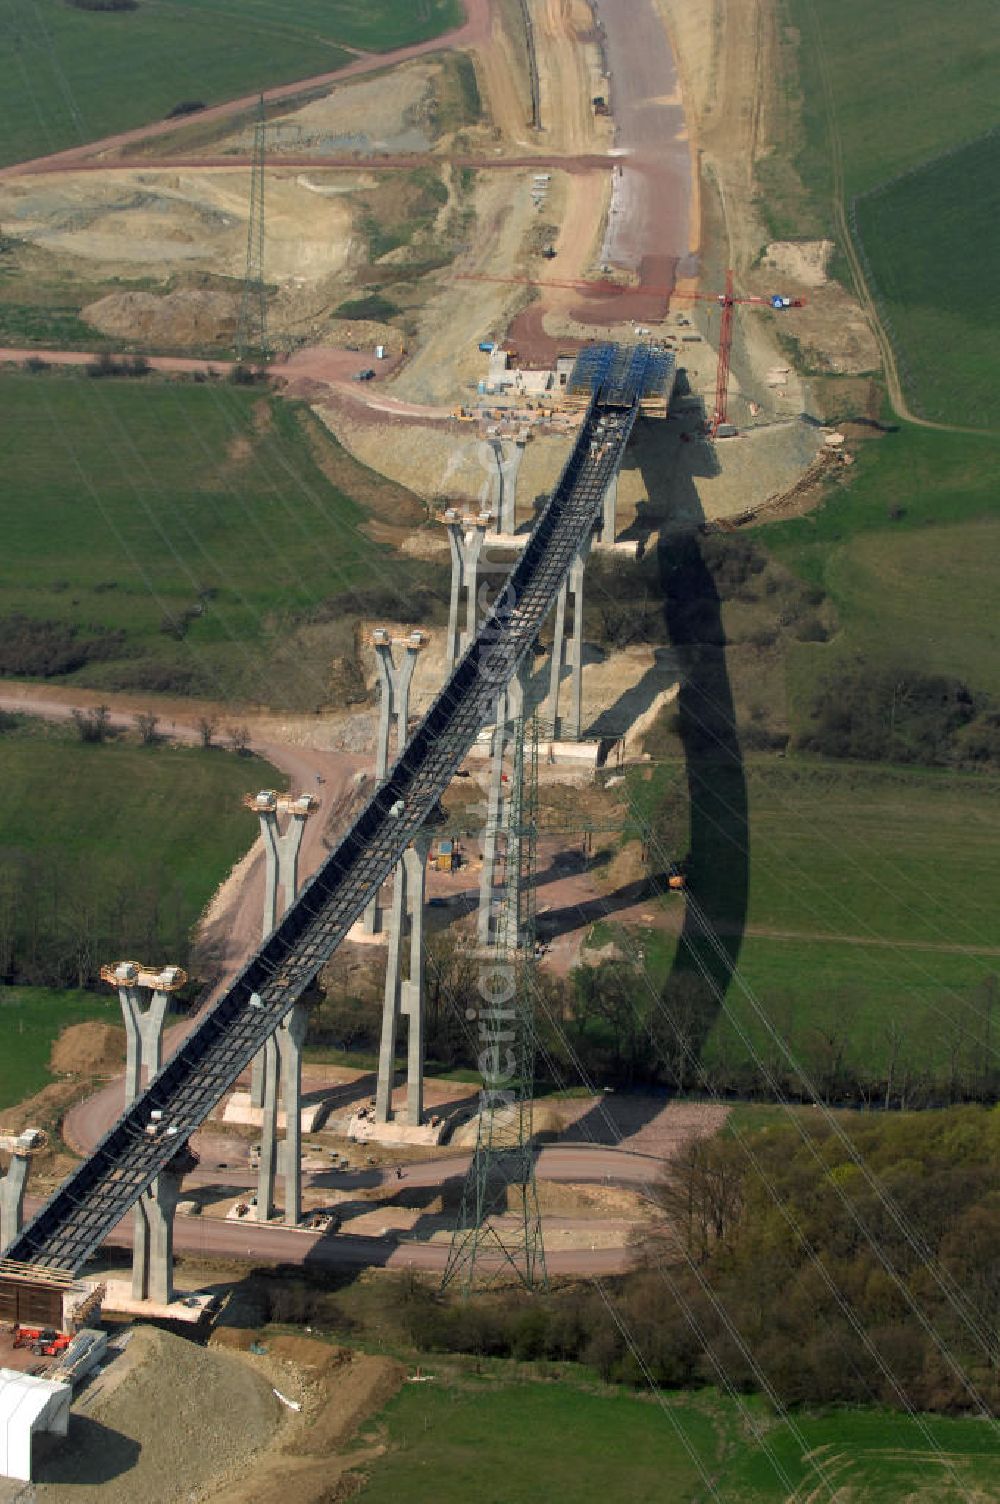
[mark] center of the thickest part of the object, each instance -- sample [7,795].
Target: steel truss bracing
[98,1194]
[251,328]
[499,1228]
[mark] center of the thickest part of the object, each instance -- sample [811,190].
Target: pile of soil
[176,319]
[341,1389]
[180,1416]
[90,1049]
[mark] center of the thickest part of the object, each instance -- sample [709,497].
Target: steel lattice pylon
[499,1233]
[251,328]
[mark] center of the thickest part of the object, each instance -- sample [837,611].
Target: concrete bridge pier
[466,535]
[289,1039]
[144,996]
[281,875]
[510,707]
[153,1238]
[395,679]
[567,651]
[12,1188]
[281,885]
[609,514]
[404,994]
[502,462]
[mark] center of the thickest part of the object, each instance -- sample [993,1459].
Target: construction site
[495,304]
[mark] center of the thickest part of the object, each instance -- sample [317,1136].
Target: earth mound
[174,318]
[88,1049]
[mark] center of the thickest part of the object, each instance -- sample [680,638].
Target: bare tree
[207,727]
[146,724]
[702,1194]
[239,738]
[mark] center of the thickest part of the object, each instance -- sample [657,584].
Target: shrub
[43,649]
[186,107]
[881,714]
[93,725]
[103,365]
[146,724]
[374,306]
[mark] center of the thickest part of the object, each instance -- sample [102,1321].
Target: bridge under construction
[156,1127]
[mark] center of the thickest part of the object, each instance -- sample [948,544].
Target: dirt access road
[652,227]
[317,374]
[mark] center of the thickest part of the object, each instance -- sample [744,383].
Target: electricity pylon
[251,328]
[499,1228]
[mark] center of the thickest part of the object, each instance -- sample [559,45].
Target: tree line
[62,916]
[775,1262]
[605,1020]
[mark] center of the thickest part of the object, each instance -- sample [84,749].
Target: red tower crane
[727,302]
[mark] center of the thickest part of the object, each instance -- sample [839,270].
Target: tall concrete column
[404,995]
[290,1037]
[281,876]
[466,536]
[153,1239]
[501,462]
[609,515]
[267,1167]
[144,995]
[395,679]
[12,1187]
[569,653]
[270,1071]
[510,707]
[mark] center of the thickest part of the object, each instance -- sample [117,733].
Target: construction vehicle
[44,1341]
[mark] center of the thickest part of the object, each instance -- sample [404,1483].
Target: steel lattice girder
[99,1193]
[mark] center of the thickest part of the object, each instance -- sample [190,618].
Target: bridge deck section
[100,1192]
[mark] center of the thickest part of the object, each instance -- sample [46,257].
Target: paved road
[247,1242]
[210,1238]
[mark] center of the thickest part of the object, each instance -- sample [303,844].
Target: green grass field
[192,521]
[928,238]
[517,1444]
[891,88]
[886,90]
[917,592]
[69,76]
[869,1455]
[133,843]
[909,78]
[866,888]
[31,1019]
